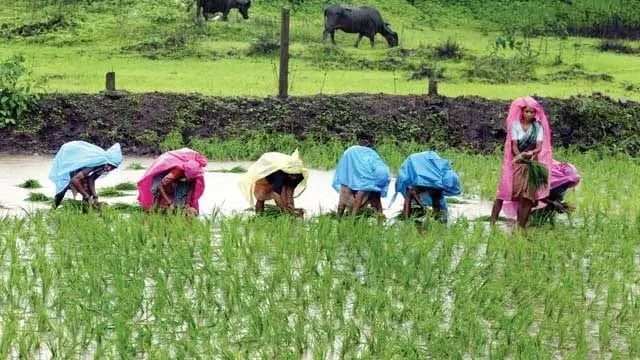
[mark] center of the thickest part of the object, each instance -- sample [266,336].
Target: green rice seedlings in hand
[538,174]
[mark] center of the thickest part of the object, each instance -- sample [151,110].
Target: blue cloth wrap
[427,169]
[79,154]
[362,169]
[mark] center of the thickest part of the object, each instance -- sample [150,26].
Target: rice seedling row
[126,284]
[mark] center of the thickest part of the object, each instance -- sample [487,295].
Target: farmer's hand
[190,211]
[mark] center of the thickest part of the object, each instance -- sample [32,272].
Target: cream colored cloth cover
[269,163]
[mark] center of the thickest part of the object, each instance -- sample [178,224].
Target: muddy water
[221,192]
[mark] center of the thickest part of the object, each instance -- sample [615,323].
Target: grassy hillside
[155,46]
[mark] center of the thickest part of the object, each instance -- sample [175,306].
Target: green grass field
[213,59]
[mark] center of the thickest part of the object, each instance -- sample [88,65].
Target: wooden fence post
[110,81]
[284,55]
[433,87]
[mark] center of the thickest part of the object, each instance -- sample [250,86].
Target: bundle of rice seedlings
[38,197]
[538,174]
[30,184]
[272,211]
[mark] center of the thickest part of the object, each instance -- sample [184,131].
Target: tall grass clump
[448,50]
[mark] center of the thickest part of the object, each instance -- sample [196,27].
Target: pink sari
[189,161]
[505,186]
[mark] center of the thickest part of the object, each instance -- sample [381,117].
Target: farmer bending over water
[174,180]
[275,176]
[528,139]
[425,178]
[362,178]
[564,176]
[77,165]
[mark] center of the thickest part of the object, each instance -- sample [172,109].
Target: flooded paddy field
[234,286]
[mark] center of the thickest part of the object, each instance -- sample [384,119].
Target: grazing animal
[206,7]
[364,21]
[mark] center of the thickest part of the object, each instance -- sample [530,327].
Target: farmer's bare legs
[406,210]
[495,211]
[408,200]
[287,193]
[436,196]
[524,211]
[357,203]
[376,202]
[259,206]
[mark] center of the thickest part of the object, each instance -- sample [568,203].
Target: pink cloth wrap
[505,186]
[189,161]
[563,173]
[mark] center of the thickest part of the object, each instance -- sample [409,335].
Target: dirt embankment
[140,122]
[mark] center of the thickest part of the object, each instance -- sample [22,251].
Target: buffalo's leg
[324,35]
[198,14]
[332,33]
[225,15]
[371,39]
[358,41]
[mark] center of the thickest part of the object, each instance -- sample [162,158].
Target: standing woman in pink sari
[528,138]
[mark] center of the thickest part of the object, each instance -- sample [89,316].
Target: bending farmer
[528,139]
[564,176]
[425,179]
[77,165]
[362,178]
[174,180]
[275,176]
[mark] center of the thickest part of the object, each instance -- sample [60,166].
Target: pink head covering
[189,161]
[192,169]
[505,186]
[564,173]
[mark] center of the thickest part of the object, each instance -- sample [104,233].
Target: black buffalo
[364,21]
[207,7]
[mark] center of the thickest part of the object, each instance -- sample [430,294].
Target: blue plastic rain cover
[75,155]
[362,169]
[430,170]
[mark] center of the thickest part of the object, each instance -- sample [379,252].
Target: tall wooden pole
[284,55]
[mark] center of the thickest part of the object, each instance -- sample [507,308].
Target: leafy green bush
[16,91]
